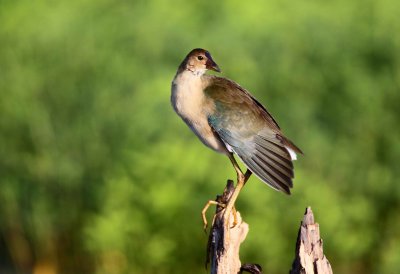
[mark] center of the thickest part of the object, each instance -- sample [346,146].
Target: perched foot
[203,212]
[231,204]
[241,181]
[221,202]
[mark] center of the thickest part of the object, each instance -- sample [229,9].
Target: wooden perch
[224,243]
[310,258]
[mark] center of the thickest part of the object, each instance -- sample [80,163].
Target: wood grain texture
[224,243]
[310,258]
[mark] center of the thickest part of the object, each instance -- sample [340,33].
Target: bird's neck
[187,93]
[191,70]
[189,79]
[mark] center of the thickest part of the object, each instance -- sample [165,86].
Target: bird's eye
[200,57]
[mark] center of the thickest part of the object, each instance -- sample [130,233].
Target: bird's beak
[210,64]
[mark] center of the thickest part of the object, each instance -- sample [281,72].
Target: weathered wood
[224,242]
[310,258]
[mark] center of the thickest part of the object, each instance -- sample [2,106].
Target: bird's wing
[247,128]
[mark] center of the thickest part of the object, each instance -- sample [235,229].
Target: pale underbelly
[205,133]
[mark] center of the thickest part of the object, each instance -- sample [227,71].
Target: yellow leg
[241,181]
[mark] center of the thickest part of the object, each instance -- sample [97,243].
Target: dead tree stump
[224,244]
[310,258]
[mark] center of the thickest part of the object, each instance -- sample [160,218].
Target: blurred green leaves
[98,175]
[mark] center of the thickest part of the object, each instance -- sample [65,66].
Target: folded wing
[247,128]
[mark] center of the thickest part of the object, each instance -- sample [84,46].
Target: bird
[229,120]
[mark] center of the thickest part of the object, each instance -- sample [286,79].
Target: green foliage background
[98,175]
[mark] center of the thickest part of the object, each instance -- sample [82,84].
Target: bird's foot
[204,211]
[230,206]
[227,218]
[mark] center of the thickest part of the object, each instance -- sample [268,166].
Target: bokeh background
[98,174]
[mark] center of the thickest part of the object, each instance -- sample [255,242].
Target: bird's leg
[230,205]
[241,181]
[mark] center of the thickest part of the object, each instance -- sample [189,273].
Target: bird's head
[198,61]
